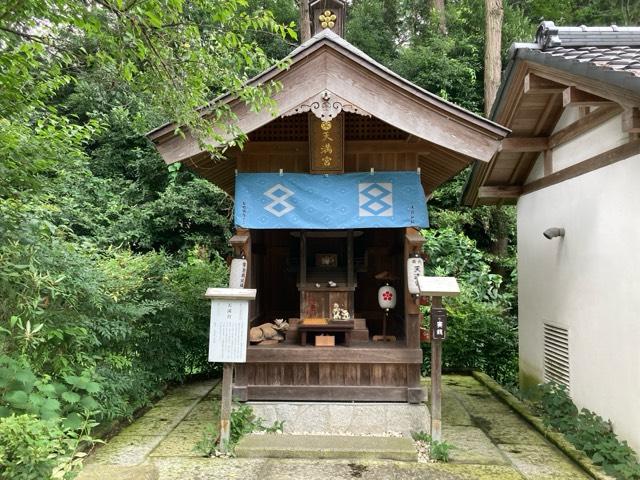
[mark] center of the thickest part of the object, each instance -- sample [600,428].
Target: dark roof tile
[611,48]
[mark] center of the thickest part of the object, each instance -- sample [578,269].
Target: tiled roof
[614,48]
[620,58]
[608,54]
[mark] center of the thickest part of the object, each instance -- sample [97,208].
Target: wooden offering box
[326,341]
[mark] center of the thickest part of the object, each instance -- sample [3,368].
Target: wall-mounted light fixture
[553,232]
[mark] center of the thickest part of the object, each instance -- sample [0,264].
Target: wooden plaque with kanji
[326,144]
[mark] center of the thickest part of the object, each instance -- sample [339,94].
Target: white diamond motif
[279,194]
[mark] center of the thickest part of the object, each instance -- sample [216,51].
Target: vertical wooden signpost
[228,342]
[436,288]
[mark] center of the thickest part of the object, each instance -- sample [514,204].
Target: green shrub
[481,331]
[80,327]
[242,422]
[31,448]
[586,430]
[438,450]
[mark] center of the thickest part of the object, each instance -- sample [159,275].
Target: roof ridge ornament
[327,14]
[547,35]
[326,106]
[550,35]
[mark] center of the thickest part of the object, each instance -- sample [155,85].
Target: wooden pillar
[350,267]
[413,242]
[225,408]
[436,380]
[241,244]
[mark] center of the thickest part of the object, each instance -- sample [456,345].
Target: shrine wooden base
[380,372]
[344,327]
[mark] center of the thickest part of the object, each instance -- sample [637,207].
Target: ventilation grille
[288,129]
[295,128]
[358,127]
[556,355]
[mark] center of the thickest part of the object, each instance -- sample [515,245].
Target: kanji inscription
[326,144]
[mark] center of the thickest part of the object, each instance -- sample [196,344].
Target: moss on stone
[476,472]
[471,445]
[125,450]
[505,429]
[528,380]
[541,462]
[205,411]
[555,438]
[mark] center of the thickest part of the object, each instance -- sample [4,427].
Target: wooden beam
[524,144]
[631,120]
[351,146]
[548,162]
[604,159]
[500,192]
[353,354]
[577,128]
[328,393]
[571,96]
[535,84]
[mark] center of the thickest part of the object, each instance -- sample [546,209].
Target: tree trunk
[493,48]
[438,6]
[305,21]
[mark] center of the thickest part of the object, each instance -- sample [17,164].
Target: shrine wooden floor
[365,352]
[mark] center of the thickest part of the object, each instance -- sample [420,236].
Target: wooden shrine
[347,130]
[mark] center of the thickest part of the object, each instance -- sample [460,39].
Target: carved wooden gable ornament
[326,130]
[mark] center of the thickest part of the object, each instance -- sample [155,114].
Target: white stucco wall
[588,281]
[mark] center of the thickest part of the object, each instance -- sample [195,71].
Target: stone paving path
[492,442]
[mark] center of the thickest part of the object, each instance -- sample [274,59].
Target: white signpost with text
[228,341]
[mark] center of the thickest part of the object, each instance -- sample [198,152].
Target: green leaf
[89,403]
[154,20]
[36,400]
[17,398]
[47,388]
[74,421]
[50,404]
[27,378]
[71,397]
[92,387]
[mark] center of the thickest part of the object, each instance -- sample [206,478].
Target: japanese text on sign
[228,331]
[438,323]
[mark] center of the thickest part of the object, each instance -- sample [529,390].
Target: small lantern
[415,269]
[387,297]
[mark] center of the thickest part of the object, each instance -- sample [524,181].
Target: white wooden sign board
[229,324]
[438,286]
[228,331]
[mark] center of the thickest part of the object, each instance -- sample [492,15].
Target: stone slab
[453,413]
[542,462]
[361,418]
[125,450]
[149,425]
[197,389]
[182,440]
[205,411]
[176,468]
[116,472]
[471,445]
[508,429]
[326,446]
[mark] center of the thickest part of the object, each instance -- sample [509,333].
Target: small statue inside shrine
[269,333]
[339,313]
